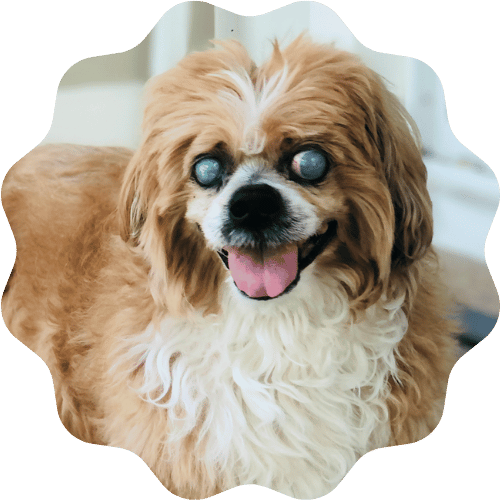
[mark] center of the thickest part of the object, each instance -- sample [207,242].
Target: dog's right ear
[137,218]
[139,185]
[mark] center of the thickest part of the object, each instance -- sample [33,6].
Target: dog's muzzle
[267,263]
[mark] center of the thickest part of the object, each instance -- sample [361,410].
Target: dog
[251,297]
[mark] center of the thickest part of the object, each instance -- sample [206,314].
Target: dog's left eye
[208,171]
[310,165]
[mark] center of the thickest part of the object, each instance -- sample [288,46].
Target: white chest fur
[290,392]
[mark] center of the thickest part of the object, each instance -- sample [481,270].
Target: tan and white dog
[249,298]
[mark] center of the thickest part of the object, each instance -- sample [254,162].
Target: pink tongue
[263,276]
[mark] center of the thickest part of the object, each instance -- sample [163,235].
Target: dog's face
[262,172]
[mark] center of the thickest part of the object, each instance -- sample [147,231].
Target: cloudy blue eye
[309,164]
[208,171]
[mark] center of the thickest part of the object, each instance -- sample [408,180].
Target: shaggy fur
[119,287]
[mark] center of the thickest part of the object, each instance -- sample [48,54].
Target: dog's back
[60,203]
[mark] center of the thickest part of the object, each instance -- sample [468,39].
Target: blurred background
[99,102]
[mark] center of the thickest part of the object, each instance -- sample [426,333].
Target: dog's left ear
[398,143]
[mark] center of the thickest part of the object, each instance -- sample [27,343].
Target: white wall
[105,114]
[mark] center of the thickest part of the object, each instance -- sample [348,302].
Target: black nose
[255,206]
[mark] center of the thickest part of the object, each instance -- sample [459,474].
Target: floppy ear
[139,185]
[152,208]
[397,141]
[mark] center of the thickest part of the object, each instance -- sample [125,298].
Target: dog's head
[261,172]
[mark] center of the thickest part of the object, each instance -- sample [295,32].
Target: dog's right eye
[208,171]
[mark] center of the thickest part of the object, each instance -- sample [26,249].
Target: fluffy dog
[251,296]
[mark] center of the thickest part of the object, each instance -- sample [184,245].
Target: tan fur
[104,247]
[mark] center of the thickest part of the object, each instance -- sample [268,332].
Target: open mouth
[265,274]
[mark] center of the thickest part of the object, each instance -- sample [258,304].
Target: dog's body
[156,347]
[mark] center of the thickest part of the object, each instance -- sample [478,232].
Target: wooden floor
[470,282]
[472,287]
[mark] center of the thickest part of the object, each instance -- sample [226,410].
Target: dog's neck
[245,382]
